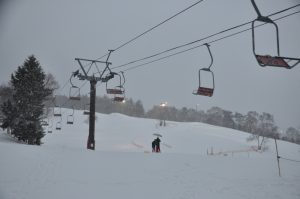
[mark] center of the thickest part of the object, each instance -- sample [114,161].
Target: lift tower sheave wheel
[268,60]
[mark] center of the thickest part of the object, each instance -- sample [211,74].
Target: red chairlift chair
[268,60]
[206,90]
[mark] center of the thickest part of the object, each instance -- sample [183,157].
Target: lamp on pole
[163,120]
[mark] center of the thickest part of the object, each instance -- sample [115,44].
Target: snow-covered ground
[122,165]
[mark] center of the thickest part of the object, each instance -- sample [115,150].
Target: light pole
[163,120]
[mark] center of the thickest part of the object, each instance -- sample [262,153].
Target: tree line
[259,125]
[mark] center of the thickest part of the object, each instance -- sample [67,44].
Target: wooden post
[277,158]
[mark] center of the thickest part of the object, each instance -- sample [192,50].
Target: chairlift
[204,89]
[49,130]
[86,110]
[58,125]
[74,92]
[57,111]
[50,127]
[44,122]
[70,118]
[118,91]
[268,60]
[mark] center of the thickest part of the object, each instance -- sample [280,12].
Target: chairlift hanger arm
[260,17]
[107,64]
[210,54]
[123,78]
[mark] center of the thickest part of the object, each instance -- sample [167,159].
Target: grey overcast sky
[57,31]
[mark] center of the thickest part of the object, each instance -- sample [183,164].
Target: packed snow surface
[197,161]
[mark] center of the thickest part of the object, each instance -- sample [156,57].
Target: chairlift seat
[57,114]
[44,123]
[85,112]
[204,91]
[267,60]
[74,98]
[69,122]
[114,91]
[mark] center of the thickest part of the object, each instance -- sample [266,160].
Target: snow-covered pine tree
[29,94]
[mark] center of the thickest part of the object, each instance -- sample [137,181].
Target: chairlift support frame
[93,81]
[204,90]
[267,60]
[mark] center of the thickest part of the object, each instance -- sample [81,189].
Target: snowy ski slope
[122,165]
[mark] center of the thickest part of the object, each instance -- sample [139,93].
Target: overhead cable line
[174,48]
[150,29]
[288,159]
[192,48]
[147,31]
[199,40]
[183,51]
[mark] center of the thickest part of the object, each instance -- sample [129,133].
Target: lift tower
[102,76]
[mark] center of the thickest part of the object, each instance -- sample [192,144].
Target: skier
[157,142]
[153,145]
